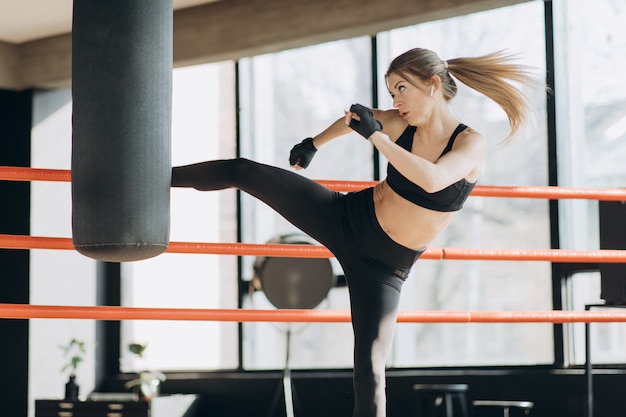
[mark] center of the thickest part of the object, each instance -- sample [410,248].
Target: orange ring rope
[29,311]
[34,174]
[549,192]
[26,311]
[312,251]
[317,251]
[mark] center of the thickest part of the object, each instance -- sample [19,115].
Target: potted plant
[74,352]
[148,383]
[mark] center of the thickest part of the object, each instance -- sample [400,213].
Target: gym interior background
[251,79]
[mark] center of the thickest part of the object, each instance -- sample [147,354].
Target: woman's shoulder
[393,124]
[470,139]
[469,134]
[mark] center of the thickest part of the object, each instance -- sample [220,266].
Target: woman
[378,233]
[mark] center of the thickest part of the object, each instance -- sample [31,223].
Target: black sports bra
[450,198]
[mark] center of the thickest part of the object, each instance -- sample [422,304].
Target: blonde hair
[490,75]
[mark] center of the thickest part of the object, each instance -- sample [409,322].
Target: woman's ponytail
[492,75]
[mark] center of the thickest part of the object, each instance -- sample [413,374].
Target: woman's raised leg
[305,203]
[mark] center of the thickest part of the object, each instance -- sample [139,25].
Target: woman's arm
[465,159]
[338,128]
[390,120]
[302,153]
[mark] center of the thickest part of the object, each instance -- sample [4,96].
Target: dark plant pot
[71,388]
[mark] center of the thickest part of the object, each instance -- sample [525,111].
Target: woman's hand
[301,155]
[361,120]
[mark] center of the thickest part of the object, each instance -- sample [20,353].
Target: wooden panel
[9,65]
[236,28]
[46,63]
[232,29]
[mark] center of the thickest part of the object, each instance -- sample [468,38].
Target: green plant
[74,352]
[148,381]
[137,349]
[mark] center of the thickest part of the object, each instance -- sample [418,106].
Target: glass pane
[203,129]
[510,223]
[56,277]
[607,339]
[286,97]
[591,132]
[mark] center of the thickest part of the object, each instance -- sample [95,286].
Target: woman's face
[411,96]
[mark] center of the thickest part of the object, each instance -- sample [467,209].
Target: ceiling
[26,20]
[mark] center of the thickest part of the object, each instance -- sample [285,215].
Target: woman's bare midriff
[405,222]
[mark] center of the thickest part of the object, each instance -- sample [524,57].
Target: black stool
[505,406]
[441,400]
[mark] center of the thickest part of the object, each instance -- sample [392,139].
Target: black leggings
[374,265]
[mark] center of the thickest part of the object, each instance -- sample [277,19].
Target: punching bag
[121,139]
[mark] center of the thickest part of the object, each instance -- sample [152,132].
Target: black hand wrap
[302,153]
[367,124]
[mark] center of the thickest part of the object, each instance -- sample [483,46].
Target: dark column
[613,236]
[108,332]
[15,126]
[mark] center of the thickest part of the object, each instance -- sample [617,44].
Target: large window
[203,129]
[285,98]
[57,277]
[590,46]
[294,94]
[485,222]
